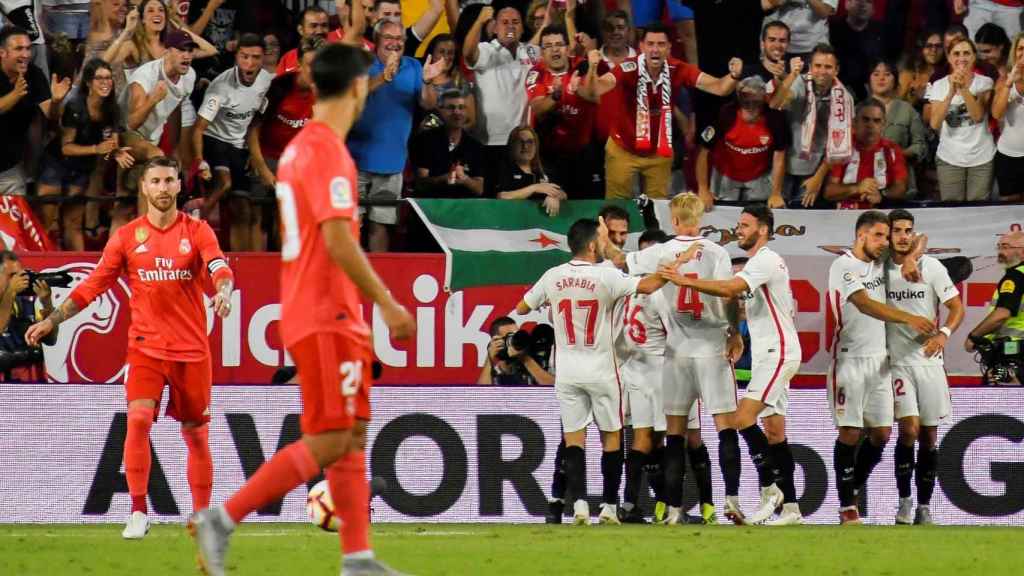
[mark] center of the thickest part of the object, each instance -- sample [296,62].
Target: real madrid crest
[184,247]
[141,234]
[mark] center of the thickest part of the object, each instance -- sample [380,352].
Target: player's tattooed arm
[221,303]
[63,312]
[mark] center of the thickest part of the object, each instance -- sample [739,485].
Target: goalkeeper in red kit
[165,254]
[323,273]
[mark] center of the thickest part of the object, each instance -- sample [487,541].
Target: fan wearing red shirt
[323,273]
[563,117]
[641,136]
[352,25]
[742,156]
[167,257]
[877,169]
[288,106]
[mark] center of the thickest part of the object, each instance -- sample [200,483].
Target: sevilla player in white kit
[859,383]
[641,352]
[764,284]
[582,296]
[702,344]
[918,375]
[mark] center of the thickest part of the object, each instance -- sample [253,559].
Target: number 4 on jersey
[689,301]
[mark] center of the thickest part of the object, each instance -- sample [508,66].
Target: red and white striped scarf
[643,114]
[839,136]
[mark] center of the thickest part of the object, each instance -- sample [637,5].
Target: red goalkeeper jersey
[165,270]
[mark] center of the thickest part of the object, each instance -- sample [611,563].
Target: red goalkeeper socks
[137,459]
[200,465]
[351,495]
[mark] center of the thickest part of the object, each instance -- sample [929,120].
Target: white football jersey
[229,105]
[582,297]
[769,306]
[857,334]
[924,299]
[644,320]
[698,322]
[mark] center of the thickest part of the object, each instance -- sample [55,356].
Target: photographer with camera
[20,290]
[1006,317]
[517,357]
[999,336]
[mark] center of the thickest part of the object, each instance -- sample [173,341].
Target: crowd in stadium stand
[799,103]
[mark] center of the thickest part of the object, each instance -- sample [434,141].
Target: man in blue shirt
[379,140]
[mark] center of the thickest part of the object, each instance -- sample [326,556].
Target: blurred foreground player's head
[341,79]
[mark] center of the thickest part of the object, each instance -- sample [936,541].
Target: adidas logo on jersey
[141,249]
[901,295]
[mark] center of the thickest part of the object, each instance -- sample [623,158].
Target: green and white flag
[495,242]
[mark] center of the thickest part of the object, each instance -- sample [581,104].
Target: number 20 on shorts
[351,377]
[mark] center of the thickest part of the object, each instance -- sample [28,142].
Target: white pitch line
[248,534]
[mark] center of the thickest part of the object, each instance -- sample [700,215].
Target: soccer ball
[320,508]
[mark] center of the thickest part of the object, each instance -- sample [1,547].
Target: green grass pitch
[511,550]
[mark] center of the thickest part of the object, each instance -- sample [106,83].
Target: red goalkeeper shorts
[335,376]
[190,383]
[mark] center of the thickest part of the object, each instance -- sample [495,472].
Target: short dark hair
[615,15]
[823,48]
[160,162]
[956,29]
[869,102]
[314,9]
[555,29]
[377,3]
[774,24]
[450,94]
[656,27]
[900,214]
[994,34]
[613,212]
[8,256]
[251,40]
[581,233]
[762,213]
[336,66]
[870,218]
[11,31]
[499,323]
[656,235]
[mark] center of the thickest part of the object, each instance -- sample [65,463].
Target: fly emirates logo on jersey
[164,272]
